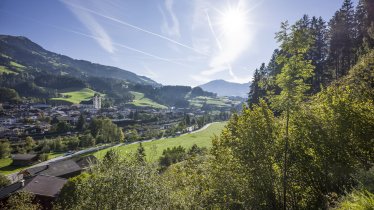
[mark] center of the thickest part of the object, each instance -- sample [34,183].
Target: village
[44,122]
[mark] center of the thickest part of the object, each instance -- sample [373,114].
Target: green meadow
[141,101]
[75,97]
[154,149]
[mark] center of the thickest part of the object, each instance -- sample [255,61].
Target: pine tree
[363,20]
[81,124]
[140,155]
[341,55]
[318,53]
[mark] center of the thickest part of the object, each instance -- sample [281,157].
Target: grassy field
[154,149]
[6,167]
[4,69]
[17,65]
[217,102]
[76,97]
[142,101]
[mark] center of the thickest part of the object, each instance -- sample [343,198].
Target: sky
[174,42]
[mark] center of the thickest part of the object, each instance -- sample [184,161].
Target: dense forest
[304,141]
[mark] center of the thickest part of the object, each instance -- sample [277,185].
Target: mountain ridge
[225,88]
[27,52]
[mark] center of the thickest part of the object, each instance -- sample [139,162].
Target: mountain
[18,51]
[224,88]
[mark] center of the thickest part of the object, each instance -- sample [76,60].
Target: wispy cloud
[134,27]
[170,25]
[97,31]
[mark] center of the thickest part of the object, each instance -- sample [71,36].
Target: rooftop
[61,168]
[45,185]
[23,156]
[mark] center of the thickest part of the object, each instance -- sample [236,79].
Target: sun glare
[233,20]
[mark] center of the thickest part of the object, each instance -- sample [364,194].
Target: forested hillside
[29,71]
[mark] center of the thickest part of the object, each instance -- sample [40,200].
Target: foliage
[43,157]
[105,131]
[188,184]
[4,181]
[140,154]
[8,95]
[131,186]
[29,143]
[87,140]
[5,149]
[172,155]
[21,201]
[358,199]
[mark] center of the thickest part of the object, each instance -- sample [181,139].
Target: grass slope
[4,69]
[141,101]
[155,148]
[219,102]
[76,97]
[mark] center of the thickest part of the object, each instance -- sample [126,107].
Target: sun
[233,20]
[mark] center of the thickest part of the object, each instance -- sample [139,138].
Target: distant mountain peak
[225,88]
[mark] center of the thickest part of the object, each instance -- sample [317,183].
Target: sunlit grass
[155,148]
[76,97]
[142,101]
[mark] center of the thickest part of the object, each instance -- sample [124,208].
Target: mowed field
[76,97]
[142,101]
[154,149]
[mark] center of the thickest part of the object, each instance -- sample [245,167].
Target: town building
[96,100]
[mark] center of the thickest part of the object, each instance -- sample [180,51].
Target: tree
[87,140]
[4,181]
[81,124]
[318,53]
[140,154]
[105,131]
[5,149]
[68,197]
[292,79]
[29,143]
[172,155]
[341,54]
[8,95]
[363,20]
[21,201]
[63,127]
[131,186]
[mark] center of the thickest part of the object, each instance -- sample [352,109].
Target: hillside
[18,53]
[224,88]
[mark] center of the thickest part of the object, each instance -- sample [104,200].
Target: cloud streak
[101,36]
[171,29]
[135,27]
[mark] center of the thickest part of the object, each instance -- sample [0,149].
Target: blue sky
[184,42]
